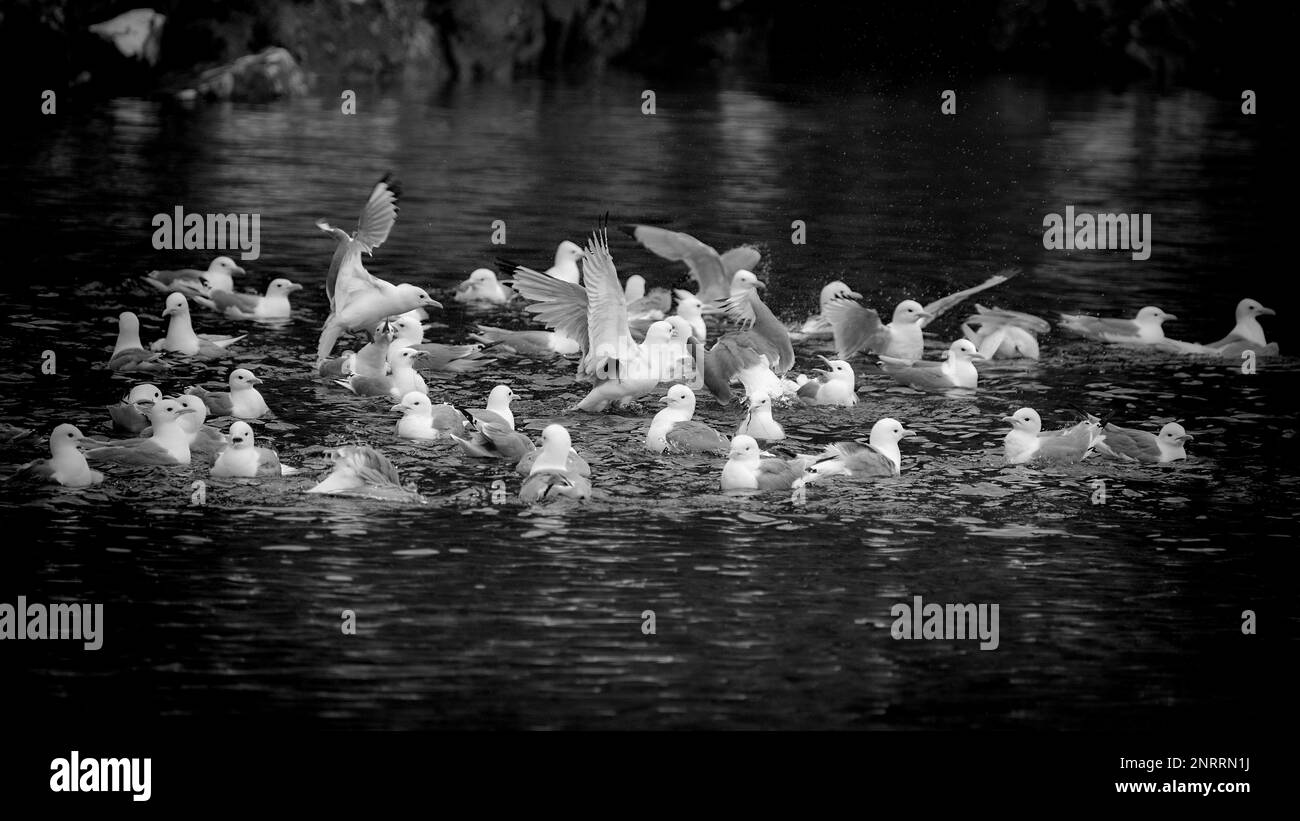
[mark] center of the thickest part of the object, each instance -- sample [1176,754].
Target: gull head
[168,410]
[744,448]
[198,408]
[964,349]
[1174,434]
[1249,307]
[909,311]
[568,252]
[500,396]
[241,435]
[226,265]
[659,333]
[128,322]
[242,379]
[282,286]
[679,396]
[746,281]
[1152,315]
[144,394]
[402,358]
[64,438]
[414,295]
[888,432]
[176,305]
[414,402]
[1025,420]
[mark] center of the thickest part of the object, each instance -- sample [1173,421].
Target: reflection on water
[768,613]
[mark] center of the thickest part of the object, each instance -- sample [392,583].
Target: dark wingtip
[393,185]
[506,266]
[629,229]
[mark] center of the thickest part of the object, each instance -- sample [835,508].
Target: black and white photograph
[427,371]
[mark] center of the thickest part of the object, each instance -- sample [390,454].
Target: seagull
[1140,446]
[856,328]
[550,476]
[955,371]
[1027,442]
[344,365]
[438,357]
[168,443]
[243,401]
[274,305]
[181,337]
[1144,329]
[747,470]
[358,299]
[712,271]
[1247,334]
[573,464]
[674,430]
[836,385]
[817,324]
[482,287]
[595,314]
[244,459]
[129,353]
[372,359]
[494,435]
[136,33]
[758,421]
[691,309]
[359,470]
[402,380]
[567,256]
[642,306]
[130,414]
[756,354]
[220,276]
[537,344]
[67,465]
[205,440]
[421,419]
[858,461]
[1004,334]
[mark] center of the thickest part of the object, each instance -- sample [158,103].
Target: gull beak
[855,294]
[435,303]
[906,433]
[1267,312]
[1010,419]
[1185,437]
[293,286]
[664,400]
[397,407]
[184,411]
[1170,316]
[979,356]
[238,270]
[760,284]
[169,312]
[824,359]
[235,440]
[255,381]
[926,315]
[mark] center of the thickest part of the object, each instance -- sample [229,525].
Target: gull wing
[705,265]
[939,306]
[854,327]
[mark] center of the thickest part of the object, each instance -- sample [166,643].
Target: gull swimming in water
[358,299]
[955,371]
[836,385]
[595,314]
[67,464]
[181,337]
[713,272]
[131,414]
[205,440]
[273,305]
[758,421]
[401,380]
[167,444]
[129,353]
[856,328]
[244,459]
[437,356]
[747,470]
[243,401]
[494,435]
[423,420]
[1001,334]
[537,344]
[1144,329]
[1140,446]
[756,354]
[818,325]
[674,430]
[359,470]
[1027,442]
[550,476]
[880,458]
[220,276]
[567,256]
[1246,335]
[482,287]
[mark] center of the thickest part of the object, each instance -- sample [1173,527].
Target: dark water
[769,613]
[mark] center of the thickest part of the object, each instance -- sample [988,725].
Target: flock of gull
[624,342]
